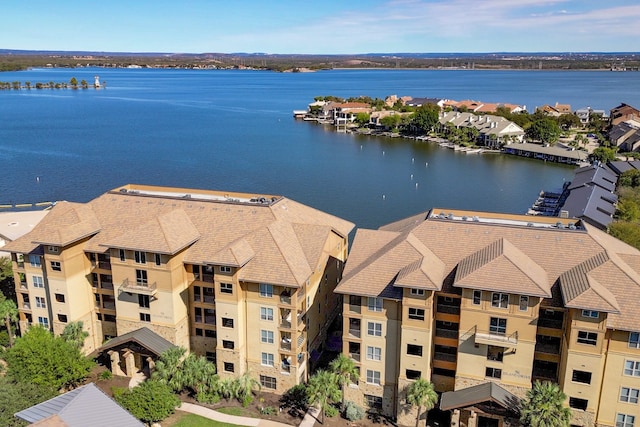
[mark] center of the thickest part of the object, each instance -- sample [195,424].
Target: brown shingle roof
[501,252]
[71,222]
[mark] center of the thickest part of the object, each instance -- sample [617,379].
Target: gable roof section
[65,224]
[579,290]
[86,405]
[594,175]
[593,203]
[486,392]
[428,272]
[501,266]
[235,254]
[144,337]
[167,233]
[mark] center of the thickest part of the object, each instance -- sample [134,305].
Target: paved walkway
[307,421]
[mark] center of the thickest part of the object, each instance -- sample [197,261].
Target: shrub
[331,411]
[268,410]
[150,402]
[105,375]
[352,411]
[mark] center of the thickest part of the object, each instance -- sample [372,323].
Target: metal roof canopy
[144,337]
[478,394]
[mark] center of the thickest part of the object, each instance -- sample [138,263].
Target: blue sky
[326,27]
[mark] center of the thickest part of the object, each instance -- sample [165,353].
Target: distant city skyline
[330,27]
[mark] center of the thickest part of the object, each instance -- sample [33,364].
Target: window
[41,302]
[623,420]
[140,257]
[414,350]
[498,325]
[55,266]
[53,249]
[208,294]
[209,333]
[417,292]
[374,304]
[267,359]
[109,318]
[228,367]
[229,345]
[227,322]
[62,318]
[493,373]
[581,377]
[629,395]
[145,317]
[374,353]
[416,313]
[38,281]
[34,260]
[266,313]
[143,301]
[413,375]
[226,288]
[199,332]
[499,300]
[373,377]
[196,294]
[374,328]
[590,338]
[59,298]
[444,372]
[634,340]
[141,277]
[576,403]
[209,316]
[268,382]
[266,336]
[632,368]
[158,259]
[524,302]
[43,321]
[590,313]
[266,290]
[225,269]
[123,256]
[373,402]
[495,353]
[211,356]
[477,297]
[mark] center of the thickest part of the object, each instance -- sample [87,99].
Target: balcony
[354,333]
[550,323]
[23,285]
[106,285]
[496,338]
[285,298]
[355,309]
[548,348]
[355,357]
[448,308]
[104,265]
[445,357]
[26,306]
[207,277]
[446,333]
[138,288]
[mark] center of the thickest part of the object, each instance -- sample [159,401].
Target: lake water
[233,130]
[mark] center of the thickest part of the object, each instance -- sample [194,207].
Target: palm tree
[346,370]
[323,390]
[75,334]
[168,368]
[246,385]
[421,393]
[198,373]
[9,313]
[544,406]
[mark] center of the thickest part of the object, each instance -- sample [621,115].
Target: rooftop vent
[476,219]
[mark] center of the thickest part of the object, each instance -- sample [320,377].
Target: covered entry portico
[483,405]
[134,351]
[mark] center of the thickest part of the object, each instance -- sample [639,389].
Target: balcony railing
[106,285]
[354,333]
[496,338]
[446,357]
[355,308]
[355,356]
[548,374]
[446,333]
[138,288]
[23,285]
[446,308]
[285,344]
[109,305]
[286,367]
[26,306]
[104,265]
[550,323]
[548,348]
[207,277]
[285,298]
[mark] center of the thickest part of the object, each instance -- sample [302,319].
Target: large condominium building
[246,280]
[467,298]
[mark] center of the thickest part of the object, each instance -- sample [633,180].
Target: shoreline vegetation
[72,84]
[15,60]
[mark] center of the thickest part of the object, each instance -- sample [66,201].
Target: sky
[322,27]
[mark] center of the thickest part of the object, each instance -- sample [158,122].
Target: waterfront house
[626,135]
[246,280]
[622,113]
[493,131]
[585,113]
[555,110]
[465,298]
[419,102]
[551,153]
[345,113]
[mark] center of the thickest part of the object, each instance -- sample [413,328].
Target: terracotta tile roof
[273,237]
[583,268]
[501,266]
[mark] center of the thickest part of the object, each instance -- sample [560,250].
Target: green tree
[16,396]
[323,390]
[391,121]
[168,369]
[425,118]
[84,84]
[628,210]
[246,385]
[150,402]
[346,370]
[75,334]
[628,232]
[42,359]
[545,130]
[544,406]
[73,82]
[630,178]
[362,119]
[421,393]
[603,154]
[568,121]
[9,313]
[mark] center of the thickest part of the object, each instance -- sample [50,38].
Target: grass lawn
[191,420]
[236,410]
